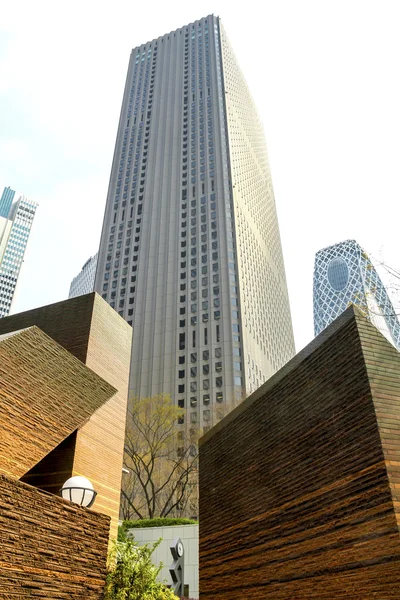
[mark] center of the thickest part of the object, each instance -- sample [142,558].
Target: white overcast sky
[324,75]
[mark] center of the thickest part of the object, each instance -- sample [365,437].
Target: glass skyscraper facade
[15,227]
[5,201]
[344,275]
[190,251]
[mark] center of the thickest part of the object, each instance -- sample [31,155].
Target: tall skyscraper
[344,275]
[5,201]
[83,283]
[15,227]
[190,251]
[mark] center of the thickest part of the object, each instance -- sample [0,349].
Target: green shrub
[132,576]
[158,522]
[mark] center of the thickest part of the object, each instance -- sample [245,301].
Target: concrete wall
[299,484]
[49,548]
[189,534]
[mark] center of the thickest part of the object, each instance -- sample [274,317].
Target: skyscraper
[344,275]
[83,283]
[5,201]
[190,251]
[15,226]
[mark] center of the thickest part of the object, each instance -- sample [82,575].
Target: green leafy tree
[132,575]
[161,460]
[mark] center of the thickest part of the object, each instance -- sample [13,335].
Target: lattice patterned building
[344,275]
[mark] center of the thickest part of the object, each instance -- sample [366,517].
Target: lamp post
[79,490]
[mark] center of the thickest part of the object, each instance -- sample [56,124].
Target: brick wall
[383,366]
[295,500]
[45,394]
[93,332]
[49,548]
[108,355]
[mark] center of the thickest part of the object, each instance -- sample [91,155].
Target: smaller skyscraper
[83,283]
[5,201]
[15,226]
[344,275]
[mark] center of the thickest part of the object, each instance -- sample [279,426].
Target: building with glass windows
[190,252]
[15,227]
[344,275]
[83,283]
[5,201]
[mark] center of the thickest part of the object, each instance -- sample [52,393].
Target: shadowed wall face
[53,471]
[49,548]
[295,499]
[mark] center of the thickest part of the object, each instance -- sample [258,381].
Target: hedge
[158,522]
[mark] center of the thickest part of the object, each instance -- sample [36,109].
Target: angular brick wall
[92,331]
[49,548]
[383,366]
[45,394]
[109,355]
[295,498]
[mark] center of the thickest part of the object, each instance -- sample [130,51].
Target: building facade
[344,275]
[15,227]
[190,251]
[83,283]
[6,200]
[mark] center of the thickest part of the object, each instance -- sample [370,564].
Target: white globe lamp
[79,490]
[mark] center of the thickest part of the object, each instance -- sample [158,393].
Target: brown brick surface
[295,497]
[45,394]
[108,354]
[91,330]
[383,366]
[49,548]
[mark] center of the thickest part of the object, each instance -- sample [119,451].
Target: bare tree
[162,461]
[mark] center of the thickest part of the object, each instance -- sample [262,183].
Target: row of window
[143,82]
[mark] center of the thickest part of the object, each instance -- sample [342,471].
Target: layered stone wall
[296,502]
[94,333]
[49,548]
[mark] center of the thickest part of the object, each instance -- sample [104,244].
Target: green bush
[158,522]
[132,576]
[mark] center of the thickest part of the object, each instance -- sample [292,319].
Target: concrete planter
[189,534]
